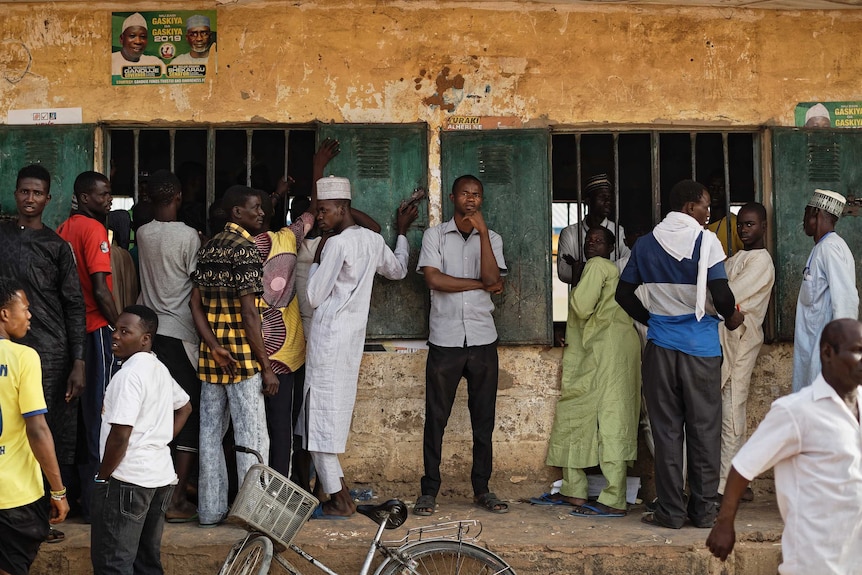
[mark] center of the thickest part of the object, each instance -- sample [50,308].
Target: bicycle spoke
[448,558]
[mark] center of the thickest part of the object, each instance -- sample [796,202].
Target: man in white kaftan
[828,289]
[339,290]
[598,192]
[750,274]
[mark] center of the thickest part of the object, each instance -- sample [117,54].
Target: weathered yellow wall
[385,444]
[543,64]
[365,61]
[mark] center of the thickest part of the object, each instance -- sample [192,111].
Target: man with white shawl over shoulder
[339,290]
[680,264]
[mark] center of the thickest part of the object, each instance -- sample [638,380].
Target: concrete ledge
[534,540]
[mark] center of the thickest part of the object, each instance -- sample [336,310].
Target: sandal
[596,509]
[55,536]
[425,505]
[548,499]
[491,502]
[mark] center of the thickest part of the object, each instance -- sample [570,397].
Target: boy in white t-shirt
[144,410]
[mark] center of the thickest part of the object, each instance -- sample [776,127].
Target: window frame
[761,162]
[211,128]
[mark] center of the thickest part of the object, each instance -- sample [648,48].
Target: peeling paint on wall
[449,93]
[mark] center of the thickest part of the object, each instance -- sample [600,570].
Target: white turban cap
[197,21]
[135,20]
[829,201]
[816,111]
[333,188]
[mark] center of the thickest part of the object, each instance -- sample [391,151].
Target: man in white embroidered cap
[828,289]
[339,290]
[817,116]
[134,39]
[199,37]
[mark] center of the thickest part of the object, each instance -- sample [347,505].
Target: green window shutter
[805,160]
[64,150]
[513,167]
[385,163]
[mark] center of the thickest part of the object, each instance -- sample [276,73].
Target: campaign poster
[829,114]
[162,47]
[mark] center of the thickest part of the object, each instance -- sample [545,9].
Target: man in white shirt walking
[813,440]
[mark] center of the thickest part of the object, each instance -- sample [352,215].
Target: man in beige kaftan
[750,274]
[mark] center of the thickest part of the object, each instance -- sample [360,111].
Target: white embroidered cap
[333,188]
[135,20]
[829,201]
[197,21]
[816,111]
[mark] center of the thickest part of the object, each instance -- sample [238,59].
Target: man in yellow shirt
[721,223]
[26,444]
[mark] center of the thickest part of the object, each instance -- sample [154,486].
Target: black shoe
[706,524]
[651,519]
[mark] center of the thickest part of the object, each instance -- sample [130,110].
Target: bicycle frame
[410,554]
[366,565]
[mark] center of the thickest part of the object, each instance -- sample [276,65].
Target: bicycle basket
[270,503]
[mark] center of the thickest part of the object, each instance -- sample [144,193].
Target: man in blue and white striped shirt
[680,263]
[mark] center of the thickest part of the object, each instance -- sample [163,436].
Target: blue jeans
[126,532]
[241,403]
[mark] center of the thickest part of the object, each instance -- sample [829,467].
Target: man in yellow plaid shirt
[234,368]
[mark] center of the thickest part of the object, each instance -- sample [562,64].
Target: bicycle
[273,509]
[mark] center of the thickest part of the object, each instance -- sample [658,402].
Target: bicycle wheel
[248,558]
[442,557]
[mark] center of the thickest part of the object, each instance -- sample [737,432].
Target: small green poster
[829,114]
[162,47]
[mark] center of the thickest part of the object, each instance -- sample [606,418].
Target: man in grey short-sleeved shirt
[462,261]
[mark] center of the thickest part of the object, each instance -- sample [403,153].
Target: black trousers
[172,353]
[683,395]
[443,372]
[279,422]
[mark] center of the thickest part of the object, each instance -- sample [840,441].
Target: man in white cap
[599,194]
[828,289]
[817,116]
[133,39]
[199,37]
[339,290]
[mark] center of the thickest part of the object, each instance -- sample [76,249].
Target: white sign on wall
[41,116]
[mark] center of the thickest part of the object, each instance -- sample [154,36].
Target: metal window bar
[172,135]
[211,178]
[617,240]
[248,156]
[727,214]
[656,180]
[655,139]
[579,192]
[136,133]
[692,141]
[286,204]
